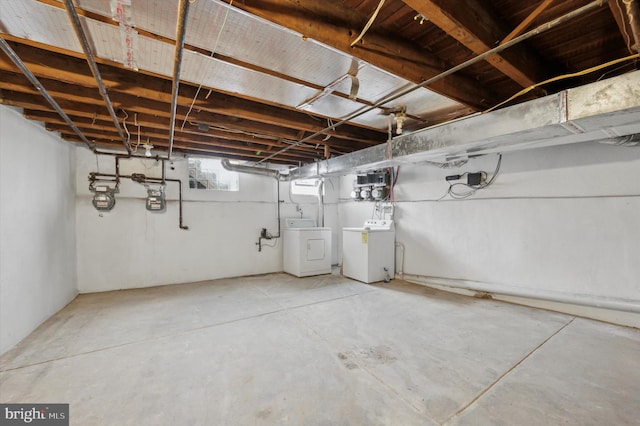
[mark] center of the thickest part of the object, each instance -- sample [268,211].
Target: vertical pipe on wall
[320,203]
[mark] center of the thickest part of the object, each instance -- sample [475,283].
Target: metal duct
[604,110]
[538,30]
[254,170]
[629,140]
[82,38]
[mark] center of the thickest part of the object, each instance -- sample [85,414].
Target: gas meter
[156,199]
[103,197]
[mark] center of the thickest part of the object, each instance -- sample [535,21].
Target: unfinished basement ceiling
[259,75]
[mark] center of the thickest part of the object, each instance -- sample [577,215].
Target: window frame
[217,178]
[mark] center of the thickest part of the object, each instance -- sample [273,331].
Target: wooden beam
[629,29]
[193,150]
[102,126]
[527,21]
[148,123]
[133,104]
[469,22]
[224,58]
[336,25]
[74,71]
[32,101]
[186,143]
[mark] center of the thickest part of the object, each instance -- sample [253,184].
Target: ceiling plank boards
[527,21]
[470,23]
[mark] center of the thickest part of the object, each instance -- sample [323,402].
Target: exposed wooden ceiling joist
[240,120]
[146,88]
[474,26]
[627,16]
[197,150]
[214,122]
[152,134]
[86,116]
[337,26]
[522,26]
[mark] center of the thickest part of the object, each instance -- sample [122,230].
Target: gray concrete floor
[324,350]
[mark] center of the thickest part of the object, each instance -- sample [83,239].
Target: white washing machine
[307,248]
[367,251]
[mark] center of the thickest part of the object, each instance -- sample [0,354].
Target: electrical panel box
[373,179]
[372,186]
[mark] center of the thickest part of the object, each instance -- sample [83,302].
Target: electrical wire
[135,122]
[633,64]
[562,77]
[328,135]
[394,179]
[369,23]
[624,27]
[124,125]
[468,190]
[275,244]
[215,47]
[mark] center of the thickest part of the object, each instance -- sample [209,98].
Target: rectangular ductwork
[607,111]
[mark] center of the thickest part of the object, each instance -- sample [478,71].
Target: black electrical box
[362,179]
[380,178]
[375,178]
[474,179]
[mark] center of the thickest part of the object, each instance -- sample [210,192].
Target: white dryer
[368,253]
[307,248]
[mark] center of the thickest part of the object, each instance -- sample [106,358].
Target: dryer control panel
[378,224]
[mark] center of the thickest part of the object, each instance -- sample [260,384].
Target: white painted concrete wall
[563,220]
[130,247]
[37,226]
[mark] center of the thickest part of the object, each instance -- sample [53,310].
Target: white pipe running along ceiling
[217,27]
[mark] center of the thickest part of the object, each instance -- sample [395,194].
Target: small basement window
[208,173]
[305,186]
